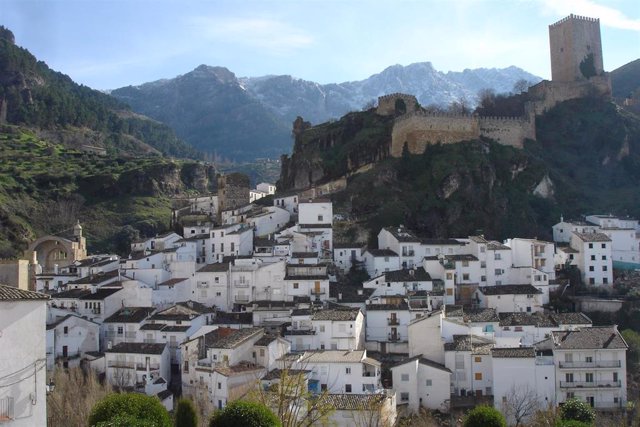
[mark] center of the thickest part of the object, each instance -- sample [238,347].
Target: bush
[185,414]
[572,423]
[484,416]
[245,414]
[577,410]
[129,409]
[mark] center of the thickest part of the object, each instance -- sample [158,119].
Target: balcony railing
[6,409]
[241,298]
[317,292]
[596,364]
[394,337]
[393,321]
[238,284]
[589,384]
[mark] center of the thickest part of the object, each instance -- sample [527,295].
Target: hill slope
[33,95]
[588,149]
[626,80]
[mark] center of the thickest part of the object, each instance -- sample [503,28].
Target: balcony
[393,321]
[394,337]
[596,364]
[317,292]
[238,284]
[242,298]
[589,384]
[608,406]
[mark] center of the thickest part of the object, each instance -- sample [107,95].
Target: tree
[484,416]
[577,410]
[185,414]
[633,340]
[131,407]
[521,86]
[587,66]
[75,393]
[290,399]
[245,414]
[521,403]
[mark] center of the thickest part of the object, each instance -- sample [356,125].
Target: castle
[576,72]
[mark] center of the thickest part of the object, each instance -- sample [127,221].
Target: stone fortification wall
[387,103]
[570,41]
[421,129]
[233,191]
[510,131]
[547,94]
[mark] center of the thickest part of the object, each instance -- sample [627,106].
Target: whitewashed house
[288,201]
[69,338]
[348,255]
[386,326]
[133,364]
[625,239]
[229,240]
[124,325]
[268,220]
[469,359]
[593,257]
[379,261]
[509,298]
[336,328]
[212,286]
[422,383]
[533,253]
[23,357]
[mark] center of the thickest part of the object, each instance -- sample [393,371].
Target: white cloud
[608,15]
[271,35]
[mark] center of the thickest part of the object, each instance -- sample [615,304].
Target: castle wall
[507,130]
[545,95]
[420,129]
[233,191]
[387,103]
[571,40]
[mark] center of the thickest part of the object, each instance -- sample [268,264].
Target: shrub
[572,423]
[245,414]
[120,409]
[185,414]
[484,416]
[574,409]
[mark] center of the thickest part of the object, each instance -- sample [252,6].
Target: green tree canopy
[577,410]
[484,416]
[245,414]
[129,409]
[185,415]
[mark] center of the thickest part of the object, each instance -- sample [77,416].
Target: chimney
[109,345]
[339,296]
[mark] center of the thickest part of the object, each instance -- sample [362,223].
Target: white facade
[69,338]
[593,257]
[270,220]
[23,357]
[533,253]
[266,188]
[378,261]
[287,202]
[422,383]
[229,240]
[134,364]
[345,256]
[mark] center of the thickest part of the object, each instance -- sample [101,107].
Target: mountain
[211,110]
[625,80]
[250,117]
[33,95]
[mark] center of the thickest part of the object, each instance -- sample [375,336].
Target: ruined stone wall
[421,129]
[233,191]
[387,103]
[570,41]
[510,131]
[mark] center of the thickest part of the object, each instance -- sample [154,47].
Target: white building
[593,257]
[625,239]
[212,286]
[379,261]
[265,187]
[422,383]
[133,364]
[386,326]
[510,298]
[347,255]
[533,253]
[339,328]
[23,357]
[229,240]
[69,338]
[268,220]
[289,202]
[124,325]
[469,359]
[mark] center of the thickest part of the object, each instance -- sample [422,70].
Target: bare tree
[290,399]
[521,403]
[76,392]
[373,410]
[521,86]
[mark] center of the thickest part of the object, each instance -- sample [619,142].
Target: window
[429,383]
[482,249]
[120,330]
[591,268]
[347,388]
[404,377]
[218,294]
[593,257]
[477,359]
[186,366]
[604,268]
[483,278]
[323,387]
[465,263]
[233,246]
[66,330]
[321,328]
[590,245]
[478,376]
[262,352]
[497,256]
[295,286]
[571,256]
[219,386]
[588,377]
[404,396]
[498,272]
[221,247]
[449,276]
[465,276]
[605,281]
[449,291]
[568,377]
[604,246]
[347,371]
[588,359]
[592,281]
[615,377]
[604,257]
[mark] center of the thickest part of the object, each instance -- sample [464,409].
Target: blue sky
[109,44]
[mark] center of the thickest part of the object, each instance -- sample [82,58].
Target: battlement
[576,17]
[387,104]
[421,113]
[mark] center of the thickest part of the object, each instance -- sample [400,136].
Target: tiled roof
[451,310]
[592,237]
[509,290]
[423,361]
[348,293]
[301,312]
[387,307]
[349,245]
[152,326]
[130,315]
[306,277]
[407,275]
[332,356]
[497,246]
[539,319]
[277,373]
[68,316]
[215,268]
[382,252]
[440,242]
[95,278]
[164,394]
[471,343]
[71,294]
[345,314]
[9,293]
[471,315]
[240,368]
[229,338]
[570,318]
[101,293]
[172,282]
[516,352]
[175,328]
[137,348]
[304,255]
[266,340]
[478,239]
[601,337]
[243,318]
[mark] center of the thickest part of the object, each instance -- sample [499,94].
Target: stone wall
[421,129]
[547,94]
[510,131]
[387,103]
[233,191]
[570,41]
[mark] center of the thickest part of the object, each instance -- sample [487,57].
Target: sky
[110,44]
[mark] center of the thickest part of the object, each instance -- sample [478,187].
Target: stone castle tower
[233,191]
[573,40]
